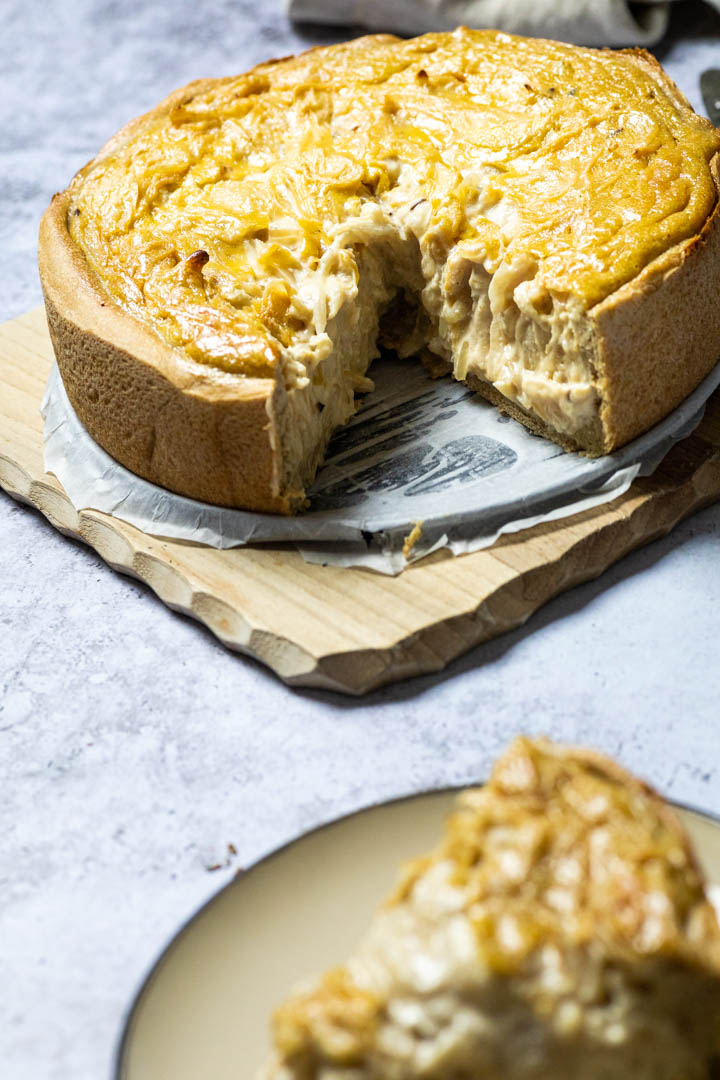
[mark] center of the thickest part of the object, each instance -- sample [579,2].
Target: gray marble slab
[133,748]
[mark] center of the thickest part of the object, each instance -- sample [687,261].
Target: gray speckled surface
[133,748]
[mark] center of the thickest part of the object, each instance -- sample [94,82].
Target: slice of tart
[560,930]
[542,219]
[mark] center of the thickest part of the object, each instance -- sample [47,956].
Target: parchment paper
[418,452]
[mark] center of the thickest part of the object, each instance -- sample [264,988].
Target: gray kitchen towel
[583,22]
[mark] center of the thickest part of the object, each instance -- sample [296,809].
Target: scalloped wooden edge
[348,629]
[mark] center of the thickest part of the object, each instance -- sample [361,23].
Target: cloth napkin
[582,22]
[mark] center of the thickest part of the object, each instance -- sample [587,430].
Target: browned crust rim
[667,319]
[198,431]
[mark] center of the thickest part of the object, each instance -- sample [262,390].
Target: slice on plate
[540,220]
[560,930]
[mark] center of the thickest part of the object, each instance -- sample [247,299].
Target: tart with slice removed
[560,930]
[539,218]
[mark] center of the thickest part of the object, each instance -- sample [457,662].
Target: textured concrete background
[133,748]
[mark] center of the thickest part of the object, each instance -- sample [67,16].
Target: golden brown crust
[666,320]
[659,335]
[194,430]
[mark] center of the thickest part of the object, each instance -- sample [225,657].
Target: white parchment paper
[418,452]
[582,22]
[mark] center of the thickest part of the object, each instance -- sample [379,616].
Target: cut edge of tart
[214,305]
[560,928]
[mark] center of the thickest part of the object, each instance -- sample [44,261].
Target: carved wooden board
[348,629]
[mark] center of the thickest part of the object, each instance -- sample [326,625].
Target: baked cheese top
[560,847]
[230,220]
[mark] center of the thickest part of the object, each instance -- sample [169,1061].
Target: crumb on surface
[411,539]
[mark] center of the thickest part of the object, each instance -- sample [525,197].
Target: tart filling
[561,929]
[472,194]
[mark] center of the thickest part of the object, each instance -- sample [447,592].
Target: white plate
[203,1012]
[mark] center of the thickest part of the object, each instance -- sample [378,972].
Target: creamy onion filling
[489,319]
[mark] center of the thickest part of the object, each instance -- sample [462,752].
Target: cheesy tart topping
[475,194]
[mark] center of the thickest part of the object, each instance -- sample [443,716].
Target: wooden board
[348,629]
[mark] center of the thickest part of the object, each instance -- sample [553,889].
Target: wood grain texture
[348,629]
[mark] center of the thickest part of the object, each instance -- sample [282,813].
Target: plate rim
[129,1017]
